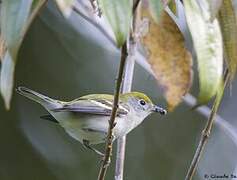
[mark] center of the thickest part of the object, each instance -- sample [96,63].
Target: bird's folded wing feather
[92,106]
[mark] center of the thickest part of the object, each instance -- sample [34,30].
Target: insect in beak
[160,110]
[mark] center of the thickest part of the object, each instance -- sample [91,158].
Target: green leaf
[65,6]
[118,13]
[156,7]
[207,39]
[16,17]
[227,19]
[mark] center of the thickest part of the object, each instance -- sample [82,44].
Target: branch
[121,142]
[207,130]
[112,123]
[127,85]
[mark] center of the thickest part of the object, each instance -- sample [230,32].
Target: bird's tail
[40,98]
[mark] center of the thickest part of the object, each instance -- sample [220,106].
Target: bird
[86,119]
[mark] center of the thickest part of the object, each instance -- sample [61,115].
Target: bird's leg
[86,143]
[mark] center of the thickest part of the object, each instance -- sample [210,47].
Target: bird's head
[141,104]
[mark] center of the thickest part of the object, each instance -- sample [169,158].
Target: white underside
[94,129]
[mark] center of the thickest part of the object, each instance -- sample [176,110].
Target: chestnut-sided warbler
[86,118]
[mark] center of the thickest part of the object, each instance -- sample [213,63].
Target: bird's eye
[142,102]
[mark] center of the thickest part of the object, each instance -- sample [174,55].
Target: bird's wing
[93,106]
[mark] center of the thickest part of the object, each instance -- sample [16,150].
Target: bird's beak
[160,110]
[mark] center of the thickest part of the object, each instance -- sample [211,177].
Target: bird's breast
[94,127]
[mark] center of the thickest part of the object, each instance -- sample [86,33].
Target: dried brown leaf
[169,58]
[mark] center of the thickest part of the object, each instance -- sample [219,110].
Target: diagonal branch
[112,123]
[207,130]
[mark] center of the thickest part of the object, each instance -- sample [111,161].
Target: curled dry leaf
[169,58]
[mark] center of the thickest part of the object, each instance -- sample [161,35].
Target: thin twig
[121,142]
[127,85]
[207,130]
[112,123]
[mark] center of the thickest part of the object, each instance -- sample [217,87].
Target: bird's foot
[86,144]
[106,163]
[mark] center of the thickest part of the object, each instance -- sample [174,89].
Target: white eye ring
[142,102]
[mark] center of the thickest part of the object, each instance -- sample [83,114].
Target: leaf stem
[207,130]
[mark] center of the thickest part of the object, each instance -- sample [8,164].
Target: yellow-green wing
[101,105]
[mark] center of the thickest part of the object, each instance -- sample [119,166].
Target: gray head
[142,104]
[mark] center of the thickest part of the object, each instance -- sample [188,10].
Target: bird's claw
[106,163]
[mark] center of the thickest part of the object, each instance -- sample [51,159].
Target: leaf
[220,92]
[118,14]
[16,17]
[65,6]
[169,59]
[207,40]
[156,7]
[227,19]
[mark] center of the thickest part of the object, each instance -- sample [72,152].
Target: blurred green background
[66,59]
